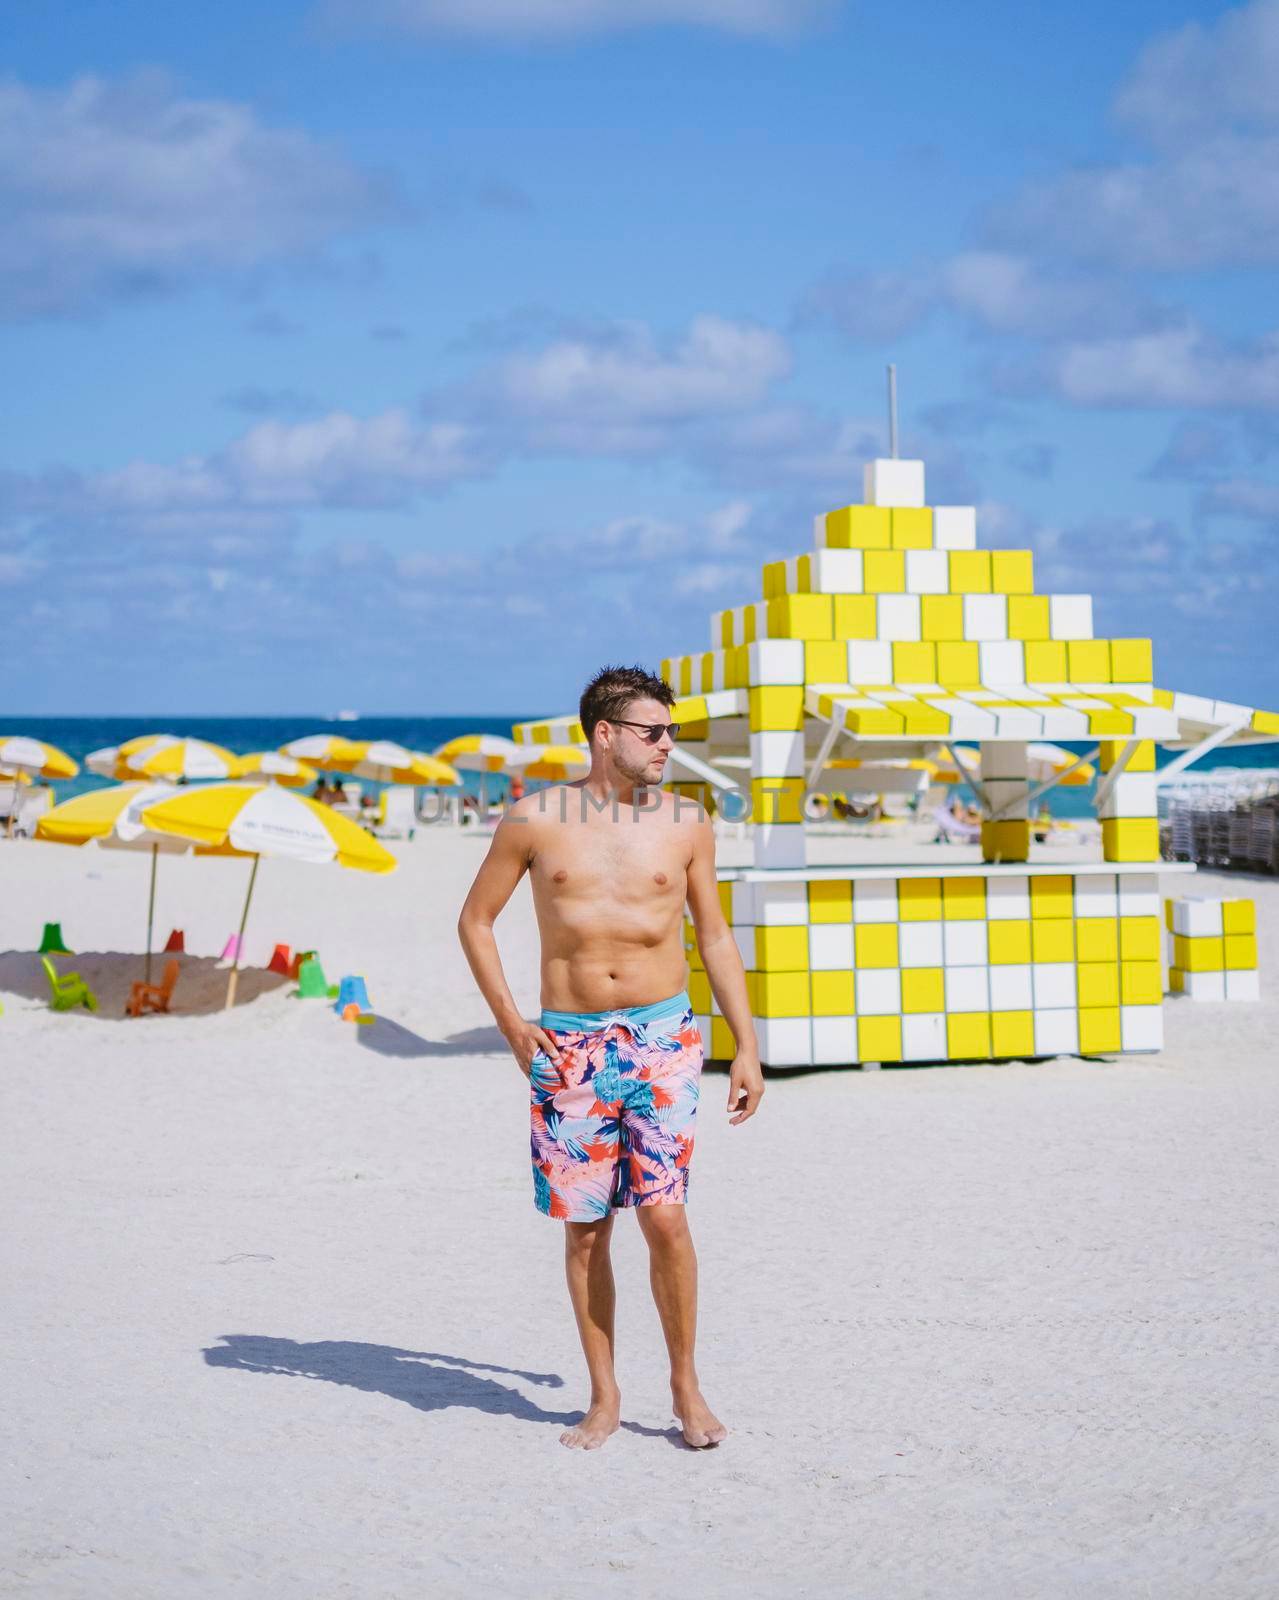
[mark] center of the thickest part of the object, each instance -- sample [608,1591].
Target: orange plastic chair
[153,996]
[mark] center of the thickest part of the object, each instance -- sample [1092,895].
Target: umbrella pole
[155,850]
[234,977]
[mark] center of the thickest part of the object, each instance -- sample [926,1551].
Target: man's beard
[633,773]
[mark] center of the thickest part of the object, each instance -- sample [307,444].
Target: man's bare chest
[624,860]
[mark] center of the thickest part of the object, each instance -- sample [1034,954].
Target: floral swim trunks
[612,1122]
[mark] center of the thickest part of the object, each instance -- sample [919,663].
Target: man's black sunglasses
[652,731]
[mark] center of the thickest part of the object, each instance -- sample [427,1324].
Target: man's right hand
[525,1040]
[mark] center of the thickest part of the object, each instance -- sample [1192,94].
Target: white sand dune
[280,1320]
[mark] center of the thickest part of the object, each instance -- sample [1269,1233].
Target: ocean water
[79,735]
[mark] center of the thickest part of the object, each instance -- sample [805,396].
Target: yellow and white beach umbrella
[110,817]
[554,763]
[36,758]
[273,766]
[111,762]
[184,759]
[384,761]
[480,752]
[1043,763]
[264,820]
[327,752]
[22,757]
[483,753]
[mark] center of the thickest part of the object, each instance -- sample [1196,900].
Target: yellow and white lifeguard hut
[893,638]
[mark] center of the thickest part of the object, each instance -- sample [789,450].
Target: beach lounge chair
[68,989]
[396,813]
[954,830]
[153,996]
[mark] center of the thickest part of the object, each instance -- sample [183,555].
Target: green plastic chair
[68,990]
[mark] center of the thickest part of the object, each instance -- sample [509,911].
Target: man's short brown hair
[613,690]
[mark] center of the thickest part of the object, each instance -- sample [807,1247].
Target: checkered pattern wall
[1212,948]
[942,968]
[897,623]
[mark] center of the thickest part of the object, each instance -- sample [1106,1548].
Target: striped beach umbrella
[110,817]
[554,763]
[479,752]
[383,761]
[22,757]
[111,761]
[184,759]
[327,752]
[37,759]
[252,819]
[273,766]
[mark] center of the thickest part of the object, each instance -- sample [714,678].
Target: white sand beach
[281,1322]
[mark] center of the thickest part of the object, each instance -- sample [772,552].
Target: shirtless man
[615,1060]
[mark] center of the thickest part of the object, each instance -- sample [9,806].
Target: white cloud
[998,291]
[238,626]
[345,460]
[249,491]
[1182,366]
[559,19]
[111,189]
[700,399]
[718,366]
[1214,204]
[1199,78]
[618,390]
[1203,100]
[1009,293]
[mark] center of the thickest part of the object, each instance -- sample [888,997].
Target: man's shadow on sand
[426,1380]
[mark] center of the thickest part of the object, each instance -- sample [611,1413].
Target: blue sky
[421,355]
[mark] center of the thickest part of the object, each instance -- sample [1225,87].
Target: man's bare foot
[599,1422]
[701,1427]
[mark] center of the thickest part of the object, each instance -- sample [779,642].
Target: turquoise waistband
[628,1016]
